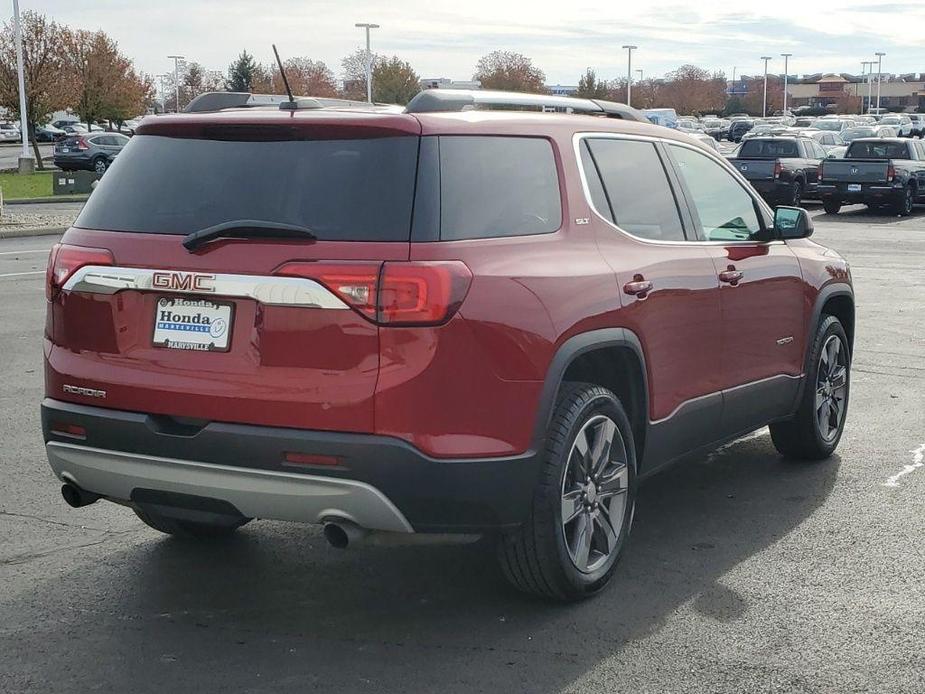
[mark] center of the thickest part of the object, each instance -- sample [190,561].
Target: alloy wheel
[594,494]
[831,388]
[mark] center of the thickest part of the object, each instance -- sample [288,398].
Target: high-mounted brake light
[819,172]
[64,260]
[392,293]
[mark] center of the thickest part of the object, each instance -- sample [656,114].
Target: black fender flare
[827,292]
[570,350]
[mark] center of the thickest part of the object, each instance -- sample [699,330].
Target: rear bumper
[379,482]
[868,193]
[775,189]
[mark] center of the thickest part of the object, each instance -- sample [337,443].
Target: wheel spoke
[582,449]
[613,483]
[603,440]
[839,377]
[610,534]
[823,417]
[584,535]
[571,506]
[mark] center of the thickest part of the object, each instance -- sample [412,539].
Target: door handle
[639,287]
[731,276]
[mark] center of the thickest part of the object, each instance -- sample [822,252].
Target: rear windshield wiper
[244,228]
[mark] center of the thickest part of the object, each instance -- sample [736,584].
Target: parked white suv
[900,121]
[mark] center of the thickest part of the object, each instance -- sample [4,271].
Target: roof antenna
[290,105]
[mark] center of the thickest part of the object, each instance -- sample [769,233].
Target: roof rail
[450,100]
[216,101]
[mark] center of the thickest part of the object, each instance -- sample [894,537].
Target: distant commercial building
[447,83]
[562,89]
[905,92]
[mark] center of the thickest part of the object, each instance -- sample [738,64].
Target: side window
[818,151]
[595,187]
[920,146]
[637,190]
[497,186]
[724,208]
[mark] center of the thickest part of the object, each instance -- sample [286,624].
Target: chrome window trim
[266,289]
[576,146]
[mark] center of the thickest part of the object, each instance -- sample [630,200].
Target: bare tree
[47,87]
[353,71]
[509,71]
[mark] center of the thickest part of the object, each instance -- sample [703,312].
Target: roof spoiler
[216,101]
[454,100]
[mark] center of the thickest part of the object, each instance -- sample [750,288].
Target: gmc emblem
[183,281]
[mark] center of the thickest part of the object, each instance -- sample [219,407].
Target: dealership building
[897,92]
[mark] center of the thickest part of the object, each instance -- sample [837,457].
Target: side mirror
[792,223]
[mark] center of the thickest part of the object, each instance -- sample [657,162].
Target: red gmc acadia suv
[464,317]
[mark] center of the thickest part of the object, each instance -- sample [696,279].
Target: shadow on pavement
[277,610]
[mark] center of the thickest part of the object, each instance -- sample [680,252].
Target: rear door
[669,289]
[267,329]
[761,295]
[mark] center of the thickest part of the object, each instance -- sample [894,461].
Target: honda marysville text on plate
[458,318]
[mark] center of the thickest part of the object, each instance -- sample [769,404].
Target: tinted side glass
[877,150]
[725,209]
[595,187]
[637,188]
[343,190]
[497,186]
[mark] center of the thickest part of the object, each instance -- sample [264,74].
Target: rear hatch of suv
[271,316]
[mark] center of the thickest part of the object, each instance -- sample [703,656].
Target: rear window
[343,190]
[877,150]
[770,149]
[497,186]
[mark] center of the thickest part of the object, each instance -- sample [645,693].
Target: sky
[445,39]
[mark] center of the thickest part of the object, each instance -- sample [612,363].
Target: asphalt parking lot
[745,572]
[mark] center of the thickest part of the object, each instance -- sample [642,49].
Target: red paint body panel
[468,388]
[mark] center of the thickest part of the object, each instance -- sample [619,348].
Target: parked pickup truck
[782,169]
[879,172]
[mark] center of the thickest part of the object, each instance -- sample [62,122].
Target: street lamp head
[880,54]
[786,55]
[632,48]
[765,57]
[366,25]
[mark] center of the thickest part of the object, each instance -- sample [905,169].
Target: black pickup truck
[879,172]
[782,169]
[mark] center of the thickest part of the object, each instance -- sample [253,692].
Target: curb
[35,231]
[43,200]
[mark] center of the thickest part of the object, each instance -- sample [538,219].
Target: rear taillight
[64,260]
[778,169]
[82,144]
[393,293]
[890,173]
[819,172]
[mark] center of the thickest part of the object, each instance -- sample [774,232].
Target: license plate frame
[854,187]
[213,336]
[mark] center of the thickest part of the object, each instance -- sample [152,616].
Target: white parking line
[918,460]
[22,274]
[38,250]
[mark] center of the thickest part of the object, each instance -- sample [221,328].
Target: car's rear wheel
[796,194]
[903,206]
[814,433]
[831,206]
[100,164]
[188,529]
[583,505]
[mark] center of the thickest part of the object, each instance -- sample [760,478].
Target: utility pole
[865,64]
[26,162]
[764,103]
[879,76]
[786,57]
[629,74]
[369,59]
[176,78]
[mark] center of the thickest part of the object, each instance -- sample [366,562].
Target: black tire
[535,558]
[831,206]
[796,194]
[100,164]
[190,530]
[800,437]
[903,206]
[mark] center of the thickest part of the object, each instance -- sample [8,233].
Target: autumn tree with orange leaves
[509,71]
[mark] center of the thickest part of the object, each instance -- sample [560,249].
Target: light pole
[764,103]
[176,79]
[879,76]
[865,71]
[369,59]
[26,162]
[629,73]
[639,70]
[786,57]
